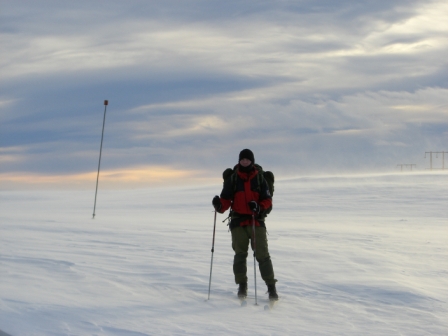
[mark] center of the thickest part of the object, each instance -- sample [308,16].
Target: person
[249,199]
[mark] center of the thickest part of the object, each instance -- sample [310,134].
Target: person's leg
[263,257]
[240,244]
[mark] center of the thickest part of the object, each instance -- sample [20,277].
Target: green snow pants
[240,243]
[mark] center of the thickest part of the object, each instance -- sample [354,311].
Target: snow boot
[273,296]
[242,290]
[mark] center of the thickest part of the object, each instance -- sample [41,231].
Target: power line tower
[437,156]
[401,165]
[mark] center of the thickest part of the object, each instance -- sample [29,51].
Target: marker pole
[99,161]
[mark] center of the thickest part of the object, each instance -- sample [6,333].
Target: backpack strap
[233,179]
[260,176]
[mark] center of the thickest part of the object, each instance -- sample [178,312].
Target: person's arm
[265,200]
[226,195]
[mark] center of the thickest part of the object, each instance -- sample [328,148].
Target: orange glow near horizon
[150,176]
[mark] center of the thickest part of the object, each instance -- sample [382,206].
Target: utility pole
[430,159]
[401,165]
[437,156]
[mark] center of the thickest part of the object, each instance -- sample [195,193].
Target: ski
[243,300]
[271,305]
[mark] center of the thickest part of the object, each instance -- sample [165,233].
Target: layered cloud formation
[310,86]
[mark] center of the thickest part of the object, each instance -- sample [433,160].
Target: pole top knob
[106,102]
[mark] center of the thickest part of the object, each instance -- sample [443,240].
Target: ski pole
[99,161]
[211,262]
[255,250]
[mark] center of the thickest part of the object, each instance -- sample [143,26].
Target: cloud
[311,84]
[269,43]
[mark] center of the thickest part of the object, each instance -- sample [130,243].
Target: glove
[254,206]
[217,203]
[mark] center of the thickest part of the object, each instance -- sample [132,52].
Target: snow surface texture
[362,255]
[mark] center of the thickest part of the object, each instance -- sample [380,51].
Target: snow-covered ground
[360,255]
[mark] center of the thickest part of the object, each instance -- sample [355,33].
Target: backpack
[262,176]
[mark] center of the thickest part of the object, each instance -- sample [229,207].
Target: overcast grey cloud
[310,86]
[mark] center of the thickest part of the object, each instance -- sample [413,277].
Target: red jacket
[238,196]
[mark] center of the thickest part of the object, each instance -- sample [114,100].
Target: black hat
[247,154]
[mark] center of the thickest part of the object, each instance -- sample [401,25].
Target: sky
[312,87]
